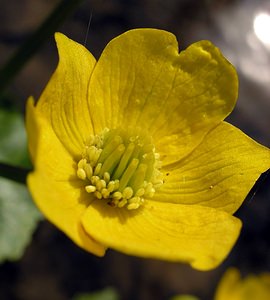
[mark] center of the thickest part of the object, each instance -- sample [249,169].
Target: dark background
[52,266]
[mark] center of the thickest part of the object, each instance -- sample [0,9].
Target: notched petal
[142,80]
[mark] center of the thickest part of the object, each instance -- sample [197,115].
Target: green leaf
[18,219]
[106,294]
[13,140]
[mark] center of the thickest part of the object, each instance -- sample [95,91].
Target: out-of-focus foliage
[18,219]
[13,147]
[106,294]
[18,215]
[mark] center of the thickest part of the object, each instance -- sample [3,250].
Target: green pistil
[120,168]
[128,173]
[149,160]
[112,160]
[109,148]
[138,177]
[124,161]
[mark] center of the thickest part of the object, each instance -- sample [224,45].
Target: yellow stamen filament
[119,168]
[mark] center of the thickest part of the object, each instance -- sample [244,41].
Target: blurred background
[52,267]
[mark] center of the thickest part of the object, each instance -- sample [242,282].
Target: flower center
[121,168]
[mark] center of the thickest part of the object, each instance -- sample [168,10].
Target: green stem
[35,41]
[14,173]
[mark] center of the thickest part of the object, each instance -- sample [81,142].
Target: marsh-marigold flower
[252,287]
[131,152]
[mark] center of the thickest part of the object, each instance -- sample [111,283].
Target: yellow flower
[131,152]
[252,287]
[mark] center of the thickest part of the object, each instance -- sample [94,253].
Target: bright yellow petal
[142,80]
[64,100]
[219,173]
[228,288]
[194,234]
[53,184]
[233,287]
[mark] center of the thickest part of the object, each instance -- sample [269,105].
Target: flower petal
[64,100]
[233,287]
[54,190]
[219,173]
[194,234]
[230,285]
[142,80]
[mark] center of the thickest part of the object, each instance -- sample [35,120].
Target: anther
[127,192]
[94,179]
[106,176]
[88,170]
[90,188]
[98,194]
[122,203]
[101,184]
[105,193]
[140,192]
[111,186]
[93,155]
[81,173]
[117,195]
[82,163]
[132,206]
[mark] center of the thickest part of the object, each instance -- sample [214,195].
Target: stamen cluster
[119,168]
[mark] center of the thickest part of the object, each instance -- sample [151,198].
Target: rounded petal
[64,101]
[193,234]
[219,173]
[142,80]
[251,287]
[55,191]
[229,286]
